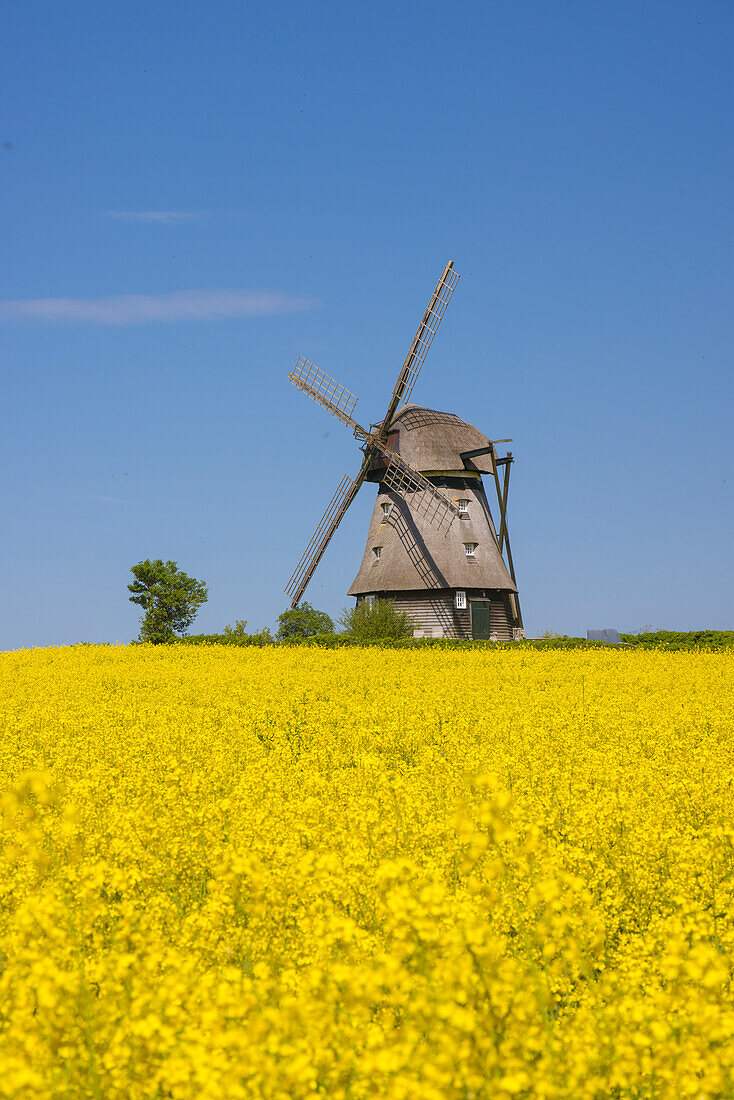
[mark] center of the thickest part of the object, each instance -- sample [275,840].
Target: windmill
[432,545]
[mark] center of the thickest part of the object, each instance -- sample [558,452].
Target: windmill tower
[432,545]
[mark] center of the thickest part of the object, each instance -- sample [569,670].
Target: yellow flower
[435,875]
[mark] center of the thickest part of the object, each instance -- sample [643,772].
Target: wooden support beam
[503,505]
[497,487]
[504,535]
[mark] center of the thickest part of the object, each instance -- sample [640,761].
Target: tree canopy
[372,622]
[303,622]
[169,597]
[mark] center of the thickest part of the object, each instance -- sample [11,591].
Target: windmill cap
[432,440]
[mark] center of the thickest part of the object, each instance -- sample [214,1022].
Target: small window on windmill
[461,601]
[377,551]
[385,510]
[462,505]
[469,548]
[369,600]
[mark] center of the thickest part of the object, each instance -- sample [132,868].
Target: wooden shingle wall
[435,615]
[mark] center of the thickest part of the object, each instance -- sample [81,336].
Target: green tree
[370,623]
[169,597]
[238,635]
[302,622]
[239,630]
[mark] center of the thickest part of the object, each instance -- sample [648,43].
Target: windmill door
[479,618]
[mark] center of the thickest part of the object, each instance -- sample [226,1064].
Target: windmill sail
[325,391]
[312,555]
[422,340]
[417,491]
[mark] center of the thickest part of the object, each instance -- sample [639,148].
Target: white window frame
[370,600]
[470,548]
[385,509]
[377,551]
[460,601]
[462,505]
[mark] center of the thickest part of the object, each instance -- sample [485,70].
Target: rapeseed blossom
[360,873]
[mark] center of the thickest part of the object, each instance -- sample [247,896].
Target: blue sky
[193,195]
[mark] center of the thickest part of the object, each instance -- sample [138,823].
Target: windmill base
[488,614]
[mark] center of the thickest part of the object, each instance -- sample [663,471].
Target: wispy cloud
[134,309]
[164,217]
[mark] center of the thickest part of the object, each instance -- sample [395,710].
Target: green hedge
[660,639]
[263,637]
[342,641]
[678,639]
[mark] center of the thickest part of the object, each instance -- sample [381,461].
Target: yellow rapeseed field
[361,873]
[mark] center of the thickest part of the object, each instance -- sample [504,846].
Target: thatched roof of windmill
[431,440]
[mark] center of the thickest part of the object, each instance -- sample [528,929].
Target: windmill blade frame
[422,341]
[321,388]
[402,478]
[346,491]
[418,492]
